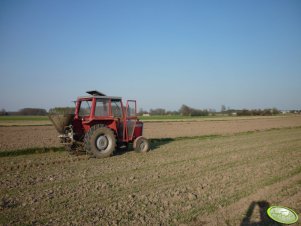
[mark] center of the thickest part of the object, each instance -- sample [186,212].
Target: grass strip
[29,151]
[24,118]
[29,125]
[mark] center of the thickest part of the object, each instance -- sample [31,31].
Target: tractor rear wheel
[141,144]
[100,141]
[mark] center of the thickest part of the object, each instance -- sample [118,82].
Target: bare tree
[3,112]
[185,110]
[223,108]
[157,111]
[32,111]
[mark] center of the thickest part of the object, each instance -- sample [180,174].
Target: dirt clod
[192,196]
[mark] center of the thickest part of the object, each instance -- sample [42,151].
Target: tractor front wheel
[141,144]
[100,141]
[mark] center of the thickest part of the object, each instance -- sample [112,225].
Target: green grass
[162,117]
[24,118]
[29,151]
[145,118]
[177,117]
[218,117]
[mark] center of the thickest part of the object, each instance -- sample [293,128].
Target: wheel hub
[102,142]
[142,145]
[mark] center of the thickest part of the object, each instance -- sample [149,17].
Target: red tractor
[99,125]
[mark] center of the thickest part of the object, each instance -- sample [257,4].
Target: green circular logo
[282,215]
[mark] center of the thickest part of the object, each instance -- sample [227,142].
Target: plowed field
[21,137]
[230,178]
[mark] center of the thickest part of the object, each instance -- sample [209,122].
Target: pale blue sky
[243,54]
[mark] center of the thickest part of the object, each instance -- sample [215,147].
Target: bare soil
[198,128]
[22,137]
[224,180]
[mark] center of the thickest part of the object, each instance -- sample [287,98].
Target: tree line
[25,112]
[258,112]
[183,111]
[37,111]
[189,111]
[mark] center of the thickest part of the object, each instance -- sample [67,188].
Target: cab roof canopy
[97,94]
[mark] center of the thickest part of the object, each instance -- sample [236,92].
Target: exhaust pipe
[60,121]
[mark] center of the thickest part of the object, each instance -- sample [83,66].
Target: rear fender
[138,129]
[80,127]
[108,123]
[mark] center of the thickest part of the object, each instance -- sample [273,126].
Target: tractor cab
[104,113]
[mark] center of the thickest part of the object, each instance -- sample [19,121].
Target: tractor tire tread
[87,141]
